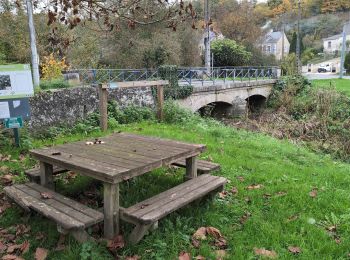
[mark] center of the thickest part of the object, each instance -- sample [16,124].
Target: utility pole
[343,51]
[207,35]
[35,57]
[298,40]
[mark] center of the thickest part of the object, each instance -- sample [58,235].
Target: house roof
[273,37]
[338,36]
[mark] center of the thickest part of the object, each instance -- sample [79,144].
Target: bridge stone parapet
[238,97]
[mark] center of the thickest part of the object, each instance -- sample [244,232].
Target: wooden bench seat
[69,215]
[203,166]
[34,173]
[148,212]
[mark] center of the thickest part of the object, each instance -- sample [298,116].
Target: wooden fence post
[103,99]
[160,101]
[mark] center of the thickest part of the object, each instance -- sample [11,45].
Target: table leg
[46,175]
[111,210]
[191,167]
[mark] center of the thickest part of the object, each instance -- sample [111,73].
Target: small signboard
[14,108]
[13,122]
[15,81]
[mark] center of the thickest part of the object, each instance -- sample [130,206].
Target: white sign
[4,110]
[15,81]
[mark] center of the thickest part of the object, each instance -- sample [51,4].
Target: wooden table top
[118,157]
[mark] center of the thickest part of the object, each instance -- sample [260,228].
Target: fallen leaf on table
[116,243]
[214,232]
[294,249]
[46,195]
[254,186]
[41,253]
[184,256]
[89,143]
[313,193]
[264,252]
[200,234]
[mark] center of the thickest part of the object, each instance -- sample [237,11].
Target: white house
[333,43]
[272,43]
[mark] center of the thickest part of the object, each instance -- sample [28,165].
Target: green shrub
[347,63]
[129,114]
[229,53]
[173,90]
[174,114]
[54,84]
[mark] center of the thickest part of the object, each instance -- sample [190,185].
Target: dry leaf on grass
[222,194]
[7,179]
[265,253]
[22,229]
[245,217]
[134,257]
[199,257]
[313,193]
[46,195]
[255,187]
[200,234]
[220,243]
[12,248]
[292,218]
[3,247]
[195,243]
[184,256]
[214,232]
[11,257]
[240,178]
[234,190]
[281,193]
[4,169]
[41,253]
[294,249]
[220,254]
[116,243]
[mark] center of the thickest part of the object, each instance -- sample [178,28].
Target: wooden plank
[56,205]
[36,171]
[13,193]
[67,201]
[202,165]
[191,167]
[138,84]
[99,154]
[111,210]
[95,169]
[164,142]
[149,204]
[182,201]
[103,96]
[46,175]
[62,219]
[160,102]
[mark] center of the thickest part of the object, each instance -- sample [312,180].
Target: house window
[269,49]
[329,45]
[264,48]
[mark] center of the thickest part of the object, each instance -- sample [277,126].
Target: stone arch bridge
[229,99]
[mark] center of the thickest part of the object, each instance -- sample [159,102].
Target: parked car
[324,68]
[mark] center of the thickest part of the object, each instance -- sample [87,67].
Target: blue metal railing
[186,75]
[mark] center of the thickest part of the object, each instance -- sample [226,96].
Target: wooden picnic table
[113,159]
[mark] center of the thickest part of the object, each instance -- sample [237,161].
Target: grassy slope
[342,85]
[278,165]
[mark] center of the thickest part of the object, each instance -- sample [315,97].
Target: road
[312,76]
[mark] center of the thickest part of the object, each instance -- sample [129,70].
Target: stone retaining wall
[66,106]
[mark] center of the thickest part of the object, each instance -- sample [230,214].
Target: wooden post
[103,99]
[160,102]
[191,168]
[111,210]
[46,175]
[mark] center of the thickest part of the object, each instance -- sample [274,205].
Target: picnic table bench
[114,159]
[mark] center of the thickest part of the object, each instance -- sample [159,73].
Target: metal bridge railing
[186,76]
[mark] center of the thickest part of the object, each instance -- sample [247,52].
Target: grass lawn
[275,216]
[342,85]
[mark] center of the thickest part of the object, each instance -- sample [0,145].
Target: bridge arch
[217,109]
[255,103]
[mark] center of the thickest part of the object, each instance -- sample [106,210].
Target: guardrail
[186,76]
